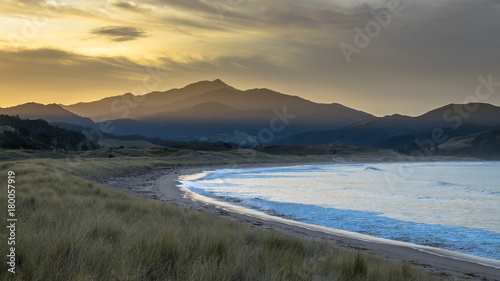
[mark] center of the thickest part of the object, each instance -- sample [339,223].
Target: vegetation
[483,146]
[126,143]
[71,228]
[38,134]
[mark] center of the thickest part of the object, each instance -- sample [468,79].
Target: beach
[162,184]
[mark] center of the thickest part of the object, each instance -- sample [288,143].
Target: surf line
[243,210]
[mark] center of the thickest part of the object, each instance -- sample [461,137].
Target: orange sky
[427,54]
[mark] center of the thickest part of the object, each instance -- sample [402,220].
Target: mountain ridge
[109,108]
[378,129]
[154,103]
[50,113]
[215,111]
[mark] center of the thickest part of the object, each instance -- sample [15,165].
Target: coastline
[162,184]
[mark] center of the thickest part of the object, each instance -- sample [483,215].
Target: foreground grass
[70,228]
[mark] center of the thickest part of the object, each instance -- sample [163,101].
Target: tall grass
[70,228]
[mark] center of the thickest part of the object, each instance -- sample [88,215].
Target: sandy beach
[161,184]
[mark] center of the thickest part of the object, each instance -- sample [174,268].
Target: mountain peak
[207,85]
[33,107]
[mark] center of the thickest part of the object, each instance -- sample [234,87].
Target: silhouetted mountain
[306,112]
[212,110]
[396,131]
[38,134]
[219,122]
[208,121]
[49,113]
[131,106]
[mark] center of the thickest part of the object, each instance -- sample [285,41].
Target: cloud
[188,5]
[52,75]
[58,65]
[119,33]
[124,5]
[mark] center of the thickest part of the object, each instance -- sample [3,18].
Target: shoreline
[162,184]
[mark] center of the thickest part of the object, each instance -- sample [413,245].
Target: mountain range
[215,111]
[398,131]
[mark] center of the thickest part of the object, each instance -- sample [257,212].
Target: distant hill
[103,138]
[314,114]
[214,121]
[215,111]
[397,131]
[49,113]
[133,106]
[38,134]
[209,121]
[483,146]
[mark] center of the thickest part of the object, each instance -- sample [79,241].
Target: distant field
[75,229]
[6,128]
[126,143]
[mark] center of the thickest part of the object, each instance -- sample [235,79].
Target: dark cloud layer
[124,5]
[119,33]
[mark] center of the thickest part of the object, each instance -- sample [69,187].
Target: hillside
[128,106]
[215,111]
[126,143]
[50,113]
[482,145]
[314,114]
[38,134]
[399,131]
[210,121]
[132,106]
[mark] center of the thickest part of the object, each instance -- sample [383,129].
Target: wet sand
[161,184]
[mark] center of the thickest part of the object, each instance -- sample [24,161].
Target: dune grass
[70,228]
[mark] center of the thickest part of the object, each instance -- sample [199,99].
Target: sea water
[453,206]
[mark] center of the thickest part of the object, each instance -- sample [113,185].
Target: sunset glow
[428,55]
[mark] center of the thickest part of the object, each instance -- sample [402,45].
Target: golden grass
[70,228]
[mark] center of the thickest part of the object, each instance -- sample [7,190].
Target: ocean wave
[193,177]
[444,183]
[373,169]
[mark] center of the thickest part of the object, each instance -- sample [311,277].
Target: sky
[382,57]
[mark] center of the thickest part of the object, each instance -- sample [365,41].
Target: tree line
[38,134]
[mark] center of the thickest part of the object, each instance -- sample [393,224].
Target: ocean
[447,205]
